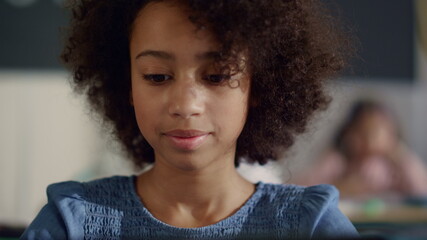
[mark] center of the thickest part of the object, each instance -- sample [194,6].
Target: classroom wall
[47,135]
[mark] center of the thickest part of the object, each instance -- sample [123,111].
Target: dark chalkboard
[385,31]
[30,36]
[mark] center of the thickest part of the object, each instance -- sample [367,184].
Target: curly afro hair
[292,47]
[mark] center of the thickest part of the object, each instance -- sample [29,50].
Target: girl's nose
[186,99]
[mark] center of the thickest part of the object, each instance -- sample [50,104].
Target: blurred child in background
[368,157]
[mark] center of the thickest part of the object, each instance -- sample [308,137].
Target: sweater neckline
[240,212]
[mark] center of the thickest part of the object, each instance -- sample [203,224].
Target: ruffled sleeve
[62,217]
[320,216]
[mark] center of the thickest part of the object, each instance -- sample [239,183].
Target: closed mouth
[187,140]
[185,133]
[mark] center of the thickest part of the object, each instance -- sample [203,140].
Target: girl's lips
[187,140]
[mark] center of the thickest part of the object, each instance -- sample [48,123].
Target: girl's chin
[190,162]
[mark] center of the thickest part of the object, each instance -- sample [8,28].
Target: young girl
[192,87]
[369,158]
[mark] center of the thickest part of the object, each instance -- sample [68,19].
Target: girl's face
[373,134]
[185,108]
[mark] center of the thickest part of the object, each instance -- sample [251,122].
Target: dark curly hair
[292,46]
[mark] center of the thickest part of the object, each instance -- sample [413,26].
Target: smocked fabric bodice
[110,209]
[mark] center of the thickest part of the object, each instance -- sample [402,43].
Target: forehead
[374,120]
[166,25]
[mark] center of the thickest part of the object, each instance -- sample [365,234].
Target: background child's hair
[292,46]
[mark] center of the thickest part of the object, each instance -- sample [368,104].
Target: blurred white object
[269,173]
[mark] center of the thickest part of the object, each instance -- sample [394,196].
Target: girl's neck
[201,196]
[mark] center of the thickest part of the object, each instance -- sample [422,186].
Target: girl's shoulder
[70,203]
[313,210]
[104,187]
[95,196]
[298,197]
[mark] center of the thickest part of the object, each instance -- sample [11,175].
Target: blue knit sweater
[110,209]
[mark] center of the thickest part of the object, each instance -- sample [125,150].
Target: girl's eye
[216,79]
[157,78]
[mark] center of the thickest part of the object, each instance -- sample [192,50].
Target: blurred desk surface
[387,220]
[378,211]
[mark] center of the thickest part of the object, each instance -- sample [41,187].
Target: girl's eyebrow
[211,55]
[155,53]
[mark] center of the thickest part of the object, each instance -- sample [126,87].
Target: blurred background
[47,133]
